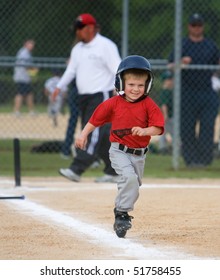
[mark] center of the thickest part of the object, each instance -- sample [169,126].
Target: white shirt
[51,84]
[23,61]
[94,66]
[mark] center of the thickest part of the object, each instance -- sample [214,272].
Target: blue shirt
[204,52]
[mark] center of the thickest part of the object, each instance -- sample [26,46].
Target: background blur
[140,27]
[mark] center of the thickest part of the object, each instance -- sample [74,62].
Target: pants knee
[131,178]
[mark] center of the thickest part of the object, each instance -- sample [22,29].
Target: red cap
[86,19]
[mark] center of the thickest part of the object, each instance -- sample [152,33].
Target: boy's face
[134,87]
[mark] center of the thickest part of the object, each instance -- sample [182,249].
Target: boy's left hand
[136,130]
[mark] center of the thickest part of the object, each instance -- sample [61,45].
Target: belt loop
[121,147]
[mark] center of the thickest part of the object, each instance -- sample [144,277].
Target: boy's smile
[134,88]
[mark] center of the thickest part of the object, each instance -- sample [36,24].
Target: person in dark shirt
[199,102]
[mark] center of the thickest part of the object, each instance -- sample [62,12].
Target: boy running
[135,117]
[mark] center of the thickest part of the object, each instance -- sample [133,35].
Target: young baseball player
[135,117]
[54,107]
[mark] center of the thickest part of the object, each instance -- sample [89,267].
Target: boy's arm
[147,131]
[81,141]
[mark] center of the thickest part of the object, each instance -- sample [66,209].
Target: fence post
[177,84]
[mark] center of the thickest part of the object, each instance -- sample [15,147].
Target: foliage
[151,24]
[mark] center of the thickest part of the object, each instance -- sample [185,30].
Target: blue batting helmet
[133,62]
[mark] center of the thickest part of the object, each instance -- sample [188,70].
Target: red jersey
[124,115]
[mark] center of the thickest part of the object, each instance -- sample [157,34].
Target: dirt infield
[32,127]
[61,220]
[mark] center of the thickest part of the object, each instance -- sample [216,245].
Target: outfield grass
[47,164]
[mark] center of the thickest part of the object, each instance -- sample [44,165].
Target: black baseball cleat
[122,223]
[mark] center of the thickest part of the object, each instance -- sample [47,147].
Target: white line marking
[51,186]
[98,235]
[8,188]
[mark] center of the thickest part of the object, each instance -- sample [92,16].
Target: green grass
[8,107]
[47,164]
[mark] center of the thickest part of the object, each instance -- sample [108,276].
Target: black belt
[136,152]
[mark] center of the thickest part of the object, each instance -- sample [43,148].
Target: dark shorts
[23,88]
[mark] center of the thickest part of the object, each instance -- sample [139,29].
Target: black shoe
[122,223]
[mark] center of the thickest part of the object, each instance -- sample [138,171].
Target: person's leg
[72,122]
[98,144]
[130,169]
[30,101]
[18,103]
[103,147]
[188,130]
[84,158]
[27,93]
[19,97]
[208,115]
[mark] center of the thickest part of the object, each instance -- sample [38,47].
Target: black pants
[203,107]
[98,141]
[72,122]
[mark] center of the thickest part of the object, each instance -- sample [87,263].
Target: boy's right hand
[81,142]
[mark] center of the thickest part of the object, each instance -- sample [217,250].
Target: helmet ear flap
[119,85]
[149,84]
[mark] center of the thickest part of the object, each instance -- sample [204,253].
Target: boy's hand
[81,142]
[136,130]
[147,131]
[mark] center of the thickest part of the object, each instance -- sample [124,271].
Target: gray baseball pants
[130,168]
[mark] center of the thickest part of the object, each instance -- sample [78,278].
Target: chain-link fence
[148,28]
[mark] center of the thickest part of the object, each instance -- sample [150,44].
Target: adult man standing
[199,102]
[93,62]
